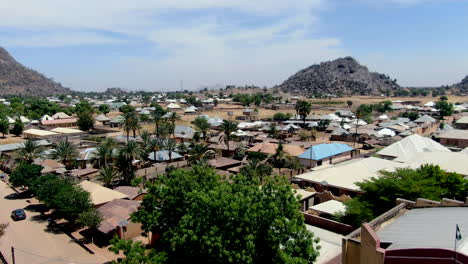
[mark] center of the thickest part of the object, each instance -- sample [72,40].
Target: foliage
[281,159]
[256,156]
[200,154]
[130,123]
[202,219]
[349,103]
[126,109]
[66,199]
[65,152]
[135,252]
[105,150]
[202,125]
[282,116]
[382,107]
[90,218]
[228,127]
[84,107]
[273,131]
[104,108]
[29,151]
[4,126]
[170,145]
[323,124]
[306,135]
[303,109]
[411,115]
[127,154]
[379,194]
[25,174]
[445,108]
[107,174]
[17,127]
[85,121]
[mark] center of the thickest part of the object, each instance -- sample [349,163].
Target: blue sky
[151,45]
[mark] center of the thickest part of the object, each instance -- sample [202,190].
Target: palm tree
[170,146]
[107,174]
[127,154]
[273,131]
[257,168]
[163,130]
[280,158]
[202,125]
[200,154]
[65,152]
[303,109]
[145,138]
[158,120]
[228,127]
[29,151]
[105,150]
[128,123]
[173,117]
[154,145]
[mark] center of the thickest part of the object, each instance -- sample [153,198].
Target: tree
[200,154]
[303,109]
[228,127]
[84,106]
[90,218]
[154,145]
[379,194]
[173,117]
[130,123]
[85,121]
[323,124]
[204,220]
[445,108]
[104,108]
[443,98]
[411,115]
[145,138]
[25,175]
[257,169]
[105,150]
[280,117]
[349,103]
[273,131]
[65,152]
[29,151]
[107,174]
[4,126]
[127,154]
[202,125]
[126,109]
[17,127]
[170,146]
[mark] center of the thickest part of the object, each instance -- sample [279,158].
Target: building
[165,155]
[59,115]
[65,122]
[406,148]
[38,133]
[319,154]
[116,221]
[421,232]
[455,137]
[248,115]
[117,121]
[224,163]
[100,195]
[183,133]
[462,123]
[133,193]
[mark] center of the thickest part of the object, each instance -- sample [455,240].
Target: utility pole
[13,255]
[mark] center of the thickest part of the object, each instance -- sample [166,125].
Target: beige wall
[366,251]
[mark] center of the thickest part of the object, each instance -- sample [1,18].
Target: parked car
[18,214]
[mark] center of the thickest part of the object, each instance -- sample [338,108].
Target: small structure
[173,107]
[425,119]
[406,147]
[222,146]
[455,137]
[117,121]
[163,156]
[100,194]
[462,123]
[191,110]
[248,115]
[67,131]
[116,219]
[34,133]
[182,133]
[60,115]
[46,117]
[133,193]
[62,122]
[103,119]
[329,208]
[316,155]
[224,163]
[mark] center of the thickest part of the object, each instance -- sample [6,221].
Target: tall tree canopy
[303,109]
[201,218]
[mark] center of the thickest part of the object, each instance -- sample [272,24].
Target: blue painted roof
[322,151]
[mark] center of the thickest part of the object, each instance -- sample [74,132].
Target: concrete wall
[462,143]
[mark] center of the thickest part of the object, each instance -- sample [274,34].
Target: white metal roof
[100,194]
[39,132]
[448,161]
[64,130]
[409,145]
[330,207]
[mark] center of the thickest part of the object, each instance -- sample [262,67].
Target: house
[342,178]
[116,221]
[412,232]
[344,113]
[270,148]
[191,110]
[103,119]
[163,156]
[448,161]
[406,147]
[454,137]
[248,115]
[67,131]
[223,147]
[173,107]
[60,122]
[340,134]
[224,163]
[425,119]
[318,154]
[100,195]
[329,208]
[34,133]
[60,115]
[117,121]
[50,166]
[133,193]
[182,133]
[462,123]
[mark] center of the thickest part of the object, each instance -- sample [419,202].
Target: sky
[153,45]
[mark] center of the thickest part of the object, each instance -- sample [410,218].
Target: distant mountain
[341,77]
[115,91]
[16,79]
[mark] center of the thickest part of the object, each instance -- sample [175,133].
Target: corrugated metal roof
[15,146]
[163,155]
[322,151]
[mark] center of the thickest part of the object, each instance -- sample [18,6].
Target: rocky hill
[463,85]
[16,79]
[341,77]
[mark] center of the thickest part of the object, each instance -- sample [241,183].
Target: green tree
[303,109]
[29,151]
[273,131]
[130,123]
[106,175]
[65,152]
[17,127]
[154,145]
[228,127]
[25,175]
[202,125]
[85,121]
[443,98]
[105,150]
[200,154]
[90,218]
[104,108]
[349,103]
[127,154]
[170,145]
[4,126]
[445,108]
[84,107]
[173,117]
[126,109]
[379,194]
[205,220]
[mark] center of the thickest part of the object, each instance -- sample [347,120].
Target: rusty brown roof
[116,211]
